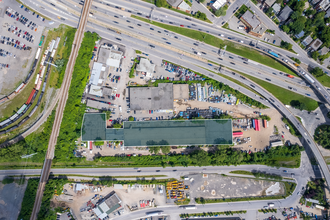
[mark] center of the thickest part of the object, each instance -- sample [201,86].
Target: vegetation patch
[284,95]
[217,42]
[315,190]
[322,136]
[74,110]
[28,199]
[293,130]
[258,174]
[212,214]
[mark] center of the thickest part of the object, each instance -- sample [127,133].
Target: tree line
[74,110]
[223,156]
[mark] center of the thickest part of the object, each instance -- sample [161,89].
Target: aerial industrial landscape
[164,109]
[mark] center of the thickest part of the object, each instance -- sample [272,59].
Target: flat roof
[96,71]
[145,66]
[159,132]
[97,104]
[114,58]
[103,55]
[95,90]
[152,98]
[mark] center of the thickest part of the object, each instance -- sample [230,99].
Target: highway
[60,108]
[261,91]
[188,45]
[185,61]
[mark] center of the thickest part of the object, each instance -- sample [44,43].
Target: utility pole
[223,51]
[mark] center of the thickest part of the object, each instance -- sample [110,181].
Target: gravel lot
[217,186]
[11,197]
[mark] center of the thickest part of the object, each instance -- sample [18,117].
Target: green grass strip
[284,95]
[217,42]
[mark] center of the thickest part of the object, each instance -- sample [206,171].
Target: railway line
[60,108]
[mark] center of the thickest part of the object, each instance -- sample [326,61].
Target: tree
[297,104]
[315,55]
[99,143]
[286,45]
[285,28]
[221,11]
[317,72]
[200,15]
[154,150]
[295,15]
[166,149]
[117,125]
[161,3]
[325,36]
[310,12]
[130,118]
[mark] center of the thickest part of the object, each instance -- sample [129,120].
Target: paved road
[60,108]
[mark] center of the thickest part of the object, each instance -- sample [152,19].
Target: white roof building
[96,90]
[114,58]
[184,6]
[145,66]
[218,4]
[96,71]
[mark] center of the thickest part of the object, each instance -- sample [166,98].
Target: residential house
[323,51]
[307,41]
[179,4]
[315,45]
[276,8]
[255,27]
[323,5]
[327,14]
[300,35]
[285,13]
[217,4]
[269,3]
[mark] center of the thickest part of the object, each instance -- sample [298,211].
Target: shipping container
[30,97]
[3,99]
[39,84]
[38,53]
[253,125]
[37,78]
[13,116]
[4,122]
[21,109]
[11,95]
[27,108]
[309,78]
[52,44]
[265,123]
[19,88]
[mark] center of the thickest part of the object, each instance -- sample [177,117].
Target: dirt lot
[11,197]
[217,186]
[130,197]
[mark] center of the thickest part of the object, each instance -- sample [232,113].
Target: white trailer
[38,53]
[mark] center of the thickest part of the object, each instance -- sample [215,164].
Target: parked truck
[309,78]
[274,54]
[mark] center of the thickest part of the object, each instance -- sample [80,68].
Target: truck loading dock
[167,132]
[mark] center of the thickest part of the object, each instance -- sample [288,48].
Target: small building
[145,67]
[322,5]
[180,91]
[315,45]
[269,3]
[106,91]
[96,72]
[307,41]
[217,4]
[95,90]
[300,35]
[110,56]
[285,13]
[327,14]
[152,98]
[107,205]
[323,51]
[97,104]
[276,143]
[277,8]
[179,4]
[255,27]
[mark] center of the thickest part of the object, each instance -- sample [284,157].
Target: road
[261,91]
[142,45]
[60,108]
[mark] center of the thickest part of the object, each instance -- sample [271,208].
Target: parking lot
[20,32]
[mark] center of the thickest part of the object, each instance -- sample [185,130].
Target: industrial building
[110,56]
[107,205]
[159,132]
[152,98]
[96,73]
[97,105]
[145,67]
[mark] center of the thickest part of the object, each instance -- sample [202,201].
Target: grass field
[217,42]
[324,80]
[284,95]
[241,172]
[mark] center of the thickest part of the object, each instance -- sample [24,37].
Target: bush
[265,117]
[297,104]
[286,45]
[322,135]
[317,72]
[7,180]
[99,143]
[296,60]
[28,199]
[161,3]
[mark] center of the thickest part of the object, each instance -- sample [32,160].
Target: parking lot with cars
[20,32]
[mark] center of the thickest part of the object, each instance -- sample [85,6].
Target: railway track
[60,108]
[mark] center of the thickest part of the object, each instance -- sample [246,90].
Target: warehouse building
[97,104]
[159,132]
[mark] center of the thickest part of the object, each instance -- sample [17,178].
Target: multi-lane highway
[60,108]
[190,61]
